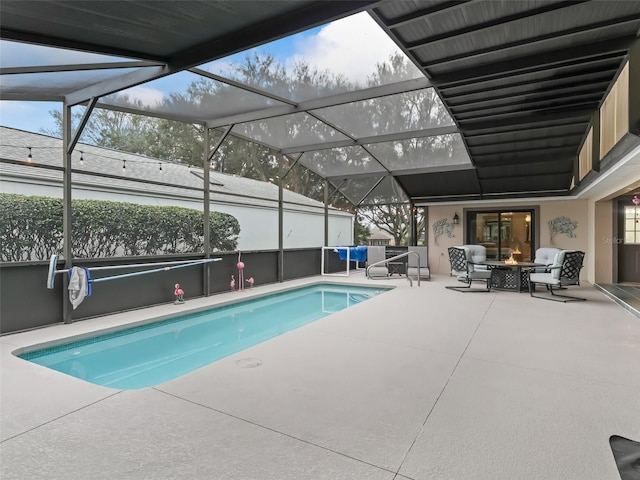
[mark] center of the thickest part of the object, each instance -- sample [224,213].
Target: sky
[351,46]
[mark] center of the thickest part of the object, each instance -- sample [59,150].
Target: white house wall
[258,225]
[341,231]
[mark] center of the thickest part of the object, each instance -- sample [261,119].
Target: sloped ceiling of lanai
[510,86]
[521,79]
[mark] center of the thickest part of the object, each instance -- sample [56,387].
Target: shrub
[31,229]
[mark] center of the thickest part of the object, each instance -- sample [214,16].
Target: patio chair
[412,263]
[476,254]
[626,453]
[377,254]
[545,256]
[566,268]
[464,269]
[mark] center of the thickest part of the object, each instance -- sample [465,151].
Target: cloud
[225,68]
[8,107]
[29,116]
[351,47]
[16,54]
[149,97]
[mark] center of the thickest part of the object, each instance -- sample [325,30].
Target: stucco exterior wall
[575,210]
[439,243]
[602,241]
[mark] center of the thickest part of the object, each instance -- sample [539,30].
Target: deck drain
[249,362]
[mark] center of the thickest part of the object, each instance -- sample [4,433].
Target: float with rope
[81,283]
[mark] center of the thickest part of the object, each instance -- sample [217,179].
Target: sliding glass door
[504,233]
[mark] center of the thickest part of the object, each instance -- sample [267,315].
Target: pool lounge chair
[413,262]
[377,254]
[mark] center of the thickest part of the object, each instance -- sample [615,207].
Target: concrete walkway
[417,383]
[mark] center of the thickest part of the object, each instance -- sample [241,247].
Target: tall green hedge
[31,229]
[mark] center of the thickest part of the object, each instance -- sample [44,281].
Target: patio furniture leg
[554,296]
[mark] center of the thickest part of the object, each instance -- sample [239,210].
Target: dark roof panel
[458,182]
[521,79]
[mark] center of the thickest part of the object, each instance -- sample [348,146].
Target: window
[631,225]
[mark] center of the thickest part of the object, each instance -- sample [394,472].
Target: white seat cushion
[546,255]
[547,278]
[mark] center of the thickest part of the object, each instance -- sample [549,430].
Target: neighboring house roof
[380,235]
[104,172]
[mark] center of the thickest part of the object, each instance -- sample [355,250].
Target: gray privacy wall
[25,301]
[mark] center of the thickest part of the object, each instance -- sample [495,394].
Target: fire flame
[511,260]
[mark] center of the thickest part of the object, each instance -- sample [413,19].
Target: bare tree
[246,152]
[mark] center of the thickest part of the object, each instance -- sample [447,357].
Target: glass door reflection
[505,234]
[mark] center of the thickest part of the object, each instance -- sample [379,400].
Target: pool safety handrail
[391,259]
[53,261]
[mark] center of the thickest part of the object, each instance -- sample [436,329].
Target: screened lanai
[482,100]
[338,129]
[417,103]
[452,109]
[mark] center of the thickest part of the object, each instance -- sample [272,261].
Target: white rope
[166,267]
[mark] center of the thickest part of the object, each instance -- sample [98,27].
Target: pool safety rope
[166,266]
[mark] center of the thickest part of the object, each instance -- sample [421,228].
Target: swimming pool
[150,354]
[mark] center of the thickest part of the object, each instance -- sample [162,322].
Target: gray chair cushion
[546,255]
[412,262]
[377,254]
[475,255]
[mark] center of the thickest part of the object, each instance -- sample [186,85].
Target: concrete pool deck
[417,383]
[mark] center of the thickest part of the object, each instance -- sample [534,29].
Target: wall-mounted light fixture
[456,218]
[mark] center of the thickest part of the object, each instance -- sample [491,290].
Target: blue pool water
[154,353]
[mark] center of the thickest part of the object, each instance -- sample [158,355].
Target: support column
[206,220]
[282,175]
[208,156]
[425,223]
[326,213]
[355,225]
[414,224]
[280,230]
[69,142]
[634,88]
[67,219]
[595,142]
